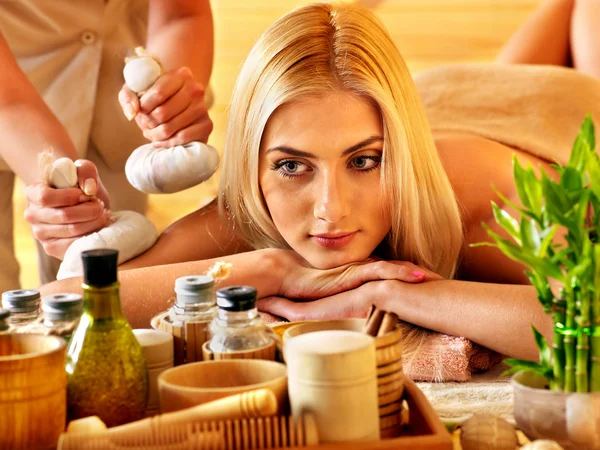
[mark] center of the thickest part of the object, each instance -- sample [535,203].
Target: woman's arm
[497,316]
[197,236]
[148,291]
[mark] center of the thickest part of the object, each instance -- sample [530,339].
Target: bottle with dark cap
[238,326]
[106,370]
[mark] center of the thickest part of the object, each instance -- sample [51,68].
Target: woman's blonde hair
[310,52]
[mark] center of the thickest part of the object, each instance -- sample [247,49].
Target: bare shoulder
[476,168]
[200,235]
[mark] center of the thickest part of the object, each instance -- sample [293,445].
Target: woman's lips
[333,242]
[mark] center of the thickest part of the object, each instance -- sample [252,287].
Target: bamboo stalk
[595,321]
[558,348]
[583,339]
[569,343]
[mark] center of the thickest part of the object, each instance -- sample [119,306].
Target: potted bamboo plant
[556,238]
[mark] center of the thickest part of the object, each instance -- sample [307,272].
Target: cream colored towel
[534,108]
[487,392]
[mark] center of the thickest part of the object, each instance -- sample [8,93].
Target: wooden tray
[425,430]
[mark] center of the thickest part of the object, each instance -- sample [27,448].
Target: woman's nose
[331,199]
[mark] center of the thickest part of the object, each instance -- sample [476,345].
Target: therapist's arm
[27,125]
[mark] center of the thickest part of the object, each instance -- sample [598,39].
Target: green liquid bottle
[106,370]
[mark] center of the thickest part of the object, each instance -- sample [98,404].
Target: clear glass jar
[238,326]
[4,315]
[194,300]
[61,313]
[24,306]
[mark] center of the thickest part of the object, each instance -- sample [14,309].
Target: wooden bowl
[33,394]
[196,383]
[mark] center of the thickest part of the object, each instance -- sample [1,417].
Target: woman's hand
[352,303]
[299,281]
[59,216]
[172,112]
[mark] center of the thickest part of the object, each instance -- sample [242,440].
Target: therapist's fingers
[129,101]
[42,195]
[82,212]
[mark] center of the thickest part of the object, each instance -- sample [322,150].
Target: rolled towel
[163,171]
[128,232]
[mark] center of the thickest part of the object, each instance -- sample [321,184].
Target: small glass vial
[24,306]
[4,326]
[195,300]
[61,313]
[189,318]
[238,326]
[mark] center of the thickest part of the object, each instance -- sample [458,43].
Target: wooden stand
[267,352]
[187,340]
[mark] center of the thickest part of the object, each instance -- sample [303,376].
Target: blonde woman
[332,191]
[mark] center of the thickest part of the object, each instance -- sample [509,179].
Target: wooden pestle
[251,404]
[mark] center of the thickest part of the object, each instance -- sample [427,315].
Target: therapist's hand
[60,216]
[172,112]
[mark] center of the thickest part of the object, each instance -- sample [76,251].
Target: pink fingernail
[418,274]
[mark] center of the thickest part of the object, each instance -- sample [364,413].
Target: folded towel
[440,357]
[535,108]
[487,392]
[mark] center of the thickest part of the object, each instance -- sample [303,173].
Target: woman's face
[320,176]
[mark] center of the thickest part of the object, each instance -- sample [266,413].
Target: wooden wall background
[428,33]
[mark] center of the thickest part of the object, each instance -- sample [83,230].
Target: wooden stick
[388,323]
[373,324]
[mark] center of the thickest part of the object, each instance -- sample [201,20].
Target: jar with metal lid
[24,306]
[189,317]
[4,315]
[61,313]
[238,328]
[194,300]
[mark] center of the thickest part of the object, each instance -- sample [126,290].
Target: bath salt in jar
[333,375]
[61,313]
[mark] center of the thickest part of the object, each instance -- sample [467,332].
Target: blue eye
[289,168]
[365,163]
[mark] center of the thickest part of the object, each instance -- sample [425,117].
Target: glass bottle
[61,313]
[24,306]
[238,326]
[194,307]
[194,301]
[4,326]
[106,370]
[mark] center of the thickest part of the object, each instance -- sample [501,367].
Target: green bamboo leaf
[520,176]
[528,258]
[594,174]
[547,237]
[533,189]
[543,347]
[520,364]
[583,145]
[571,180]
[557,201]
[530,236]
[506,221]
